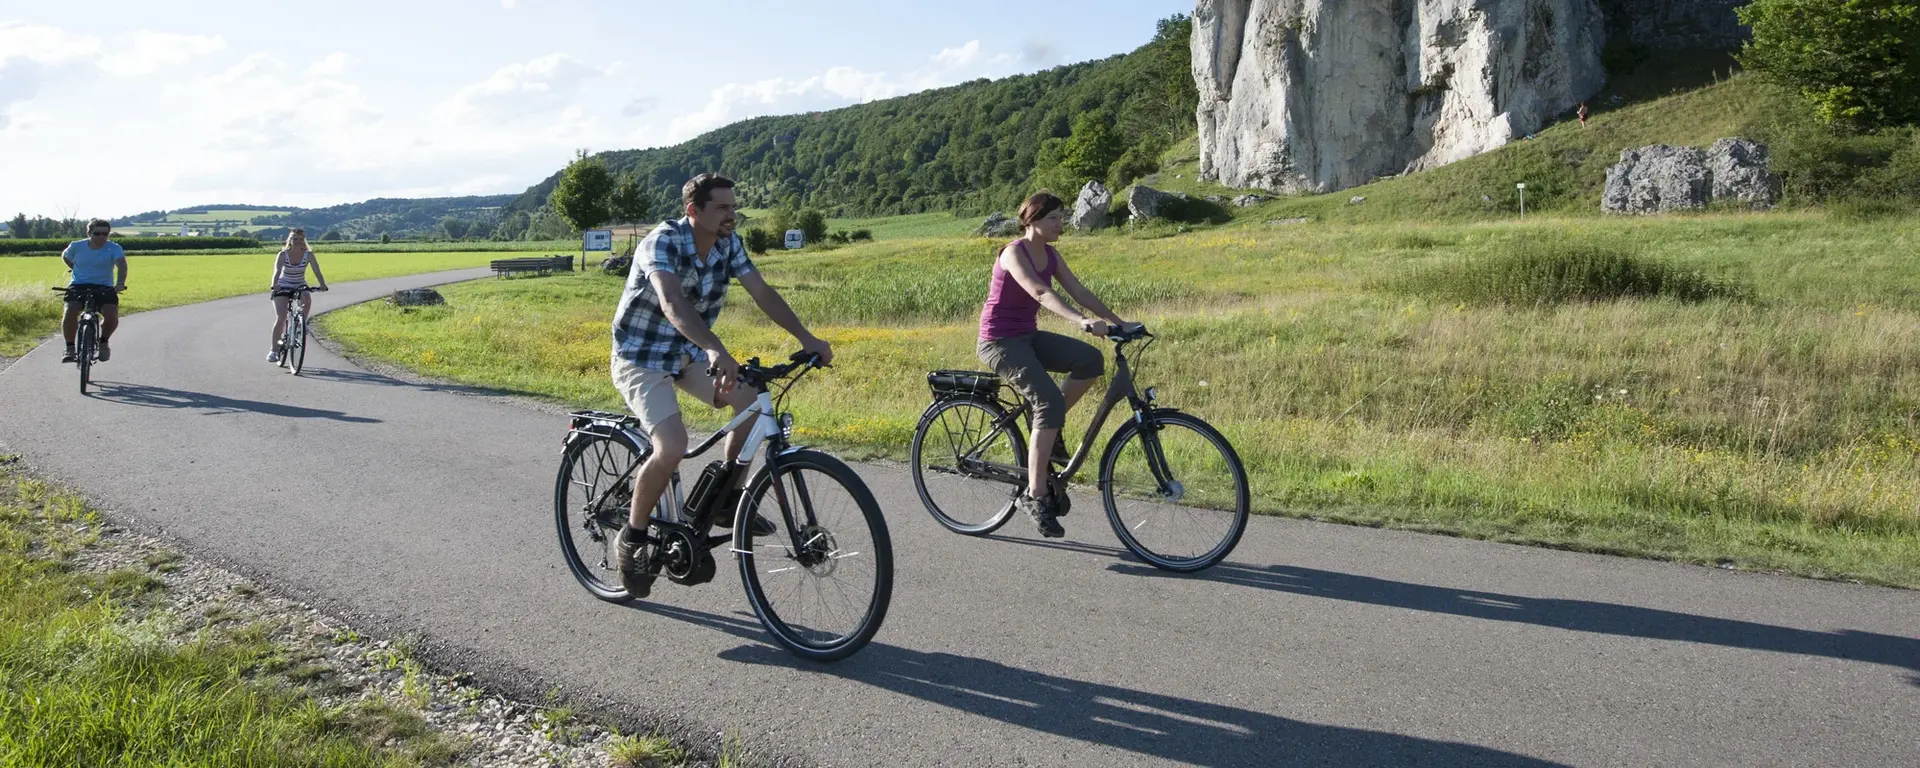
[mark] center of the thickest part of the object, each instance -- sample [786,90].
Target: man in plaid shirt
[663,338]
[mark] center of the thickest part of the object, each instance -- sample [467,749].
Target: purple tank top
[1010,310]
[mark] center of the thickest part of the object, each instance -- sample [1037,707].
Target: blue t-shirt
[93,266]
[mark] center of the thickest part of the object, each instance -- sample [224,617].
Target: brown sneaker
[630,561]
[1041,512]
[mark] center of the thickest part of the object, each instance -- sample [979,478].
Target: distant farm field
[29,311]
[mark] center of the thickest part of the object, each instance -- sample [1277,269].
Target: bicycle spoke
[953,442]
[819,583]
[1181,506]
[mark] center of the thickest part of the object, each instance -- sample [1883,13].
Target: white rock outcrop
[1663,179]
[1090,208]
[1321,95]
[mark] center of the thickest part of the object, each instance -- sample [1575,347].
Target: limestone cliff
[1320,95]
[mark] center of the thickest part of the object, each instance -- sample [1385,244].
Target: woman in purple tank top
[1012,344]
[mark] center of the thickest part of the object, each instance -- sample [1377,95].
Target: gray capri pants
[1025,360]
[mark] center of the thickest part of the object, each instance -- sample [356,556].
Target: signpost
[1522,186]
[796,239]
[595,240]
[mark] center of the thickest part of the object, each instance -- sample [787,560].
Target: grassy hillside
[1564,166]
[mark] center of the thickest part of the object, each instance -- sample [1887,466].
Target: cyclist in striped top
[289,279]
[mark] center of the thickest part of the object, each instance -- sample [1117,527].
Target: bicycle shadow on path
[1147,724]
[1575,615]
[146,396]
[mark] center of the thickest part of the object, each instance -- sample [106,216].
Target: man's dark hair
[699,189]
[98,223]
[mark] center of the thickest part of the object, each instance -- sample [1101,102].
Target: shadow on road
[1147,724]
[161,397]
[1066,546]
[1575,615]
[379,380]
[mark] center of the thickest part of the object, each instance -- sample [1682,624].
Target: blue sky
[109,108]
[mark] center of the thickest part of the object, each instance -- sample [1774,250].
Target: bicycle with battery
[819,578]
[1175,491]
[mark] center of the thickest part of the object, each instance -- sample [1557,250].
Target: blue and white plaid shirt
[642,334]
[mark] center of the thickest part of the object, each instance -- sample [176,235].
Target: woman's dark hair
[1038,206]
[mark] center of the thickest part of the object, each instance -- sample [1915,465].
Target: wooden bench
[536,264]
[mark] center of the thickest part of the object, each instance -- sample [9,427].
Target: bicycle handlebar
[1124,335]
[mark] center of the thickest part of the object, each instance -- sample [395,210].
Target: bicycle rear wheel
[821,581]
[88,344]
[297,349]
[1176,493]
[590,500]
[966,472]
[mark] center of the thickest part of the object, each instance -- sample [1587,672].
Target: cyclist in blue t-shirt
[94,263]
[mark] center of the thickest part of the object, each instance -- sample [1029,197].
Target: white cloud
[534,88]
[150,52]
[509,4]
[834,88]
[46,45]
[959,57]
[333,64]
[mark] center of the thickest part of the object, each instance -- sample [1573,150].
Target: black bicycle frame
[1119,388]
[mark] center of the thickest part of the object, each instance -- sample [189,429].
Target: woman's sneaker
[101,354]
[1041,512]
[70,356]
[273,355]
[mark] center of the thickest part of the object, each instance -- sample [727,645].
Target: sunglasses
[102,232]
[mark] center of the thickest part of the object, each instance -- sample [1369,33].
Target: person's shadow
[1147,724]
[147,396]
[1575,615]
[381,380]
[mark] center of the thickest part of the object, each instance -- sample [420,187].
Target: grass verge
[91,672]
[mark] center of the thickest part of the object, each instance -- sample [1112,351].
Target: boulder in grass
[417,297]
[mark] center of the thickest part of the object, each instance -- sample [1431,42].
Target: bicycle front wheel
[297,347]
[820,582]
[1175,491]
[88,346]
[590,503]
[967,472]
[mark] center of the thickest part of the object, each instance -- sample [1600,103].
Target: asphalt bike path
[421,509]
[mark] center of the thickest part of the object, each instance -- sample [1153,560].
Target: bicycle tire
[89,342]
[931,479]
[773,566]
[588,463]
[1131,514]
[297,352]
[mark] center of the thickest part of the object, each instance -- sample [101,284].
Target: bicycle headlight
[786,425]
[1153,393]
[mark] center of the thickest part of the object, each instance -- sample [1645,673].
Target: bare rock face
[1321,95]
[1657,179]
[1741,170]
[1676,24]
[1090,208]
